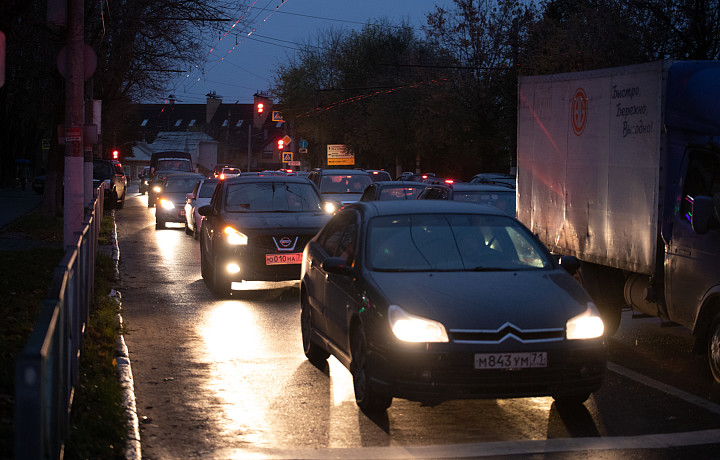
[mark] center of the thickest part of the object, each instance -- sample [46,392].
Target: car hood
[486,300]
[274,220]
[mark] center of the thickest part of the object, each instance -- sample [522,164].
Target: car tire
[159,224]
[570,400]
[713,344]
[187,229]
[313,352]
[366,397]
[204,265]
[221,284]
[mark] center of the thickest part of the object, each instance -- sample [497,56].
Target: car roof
[258,179]
[344,171]
[399,183]
[187,174]
[399,207]
[474,186]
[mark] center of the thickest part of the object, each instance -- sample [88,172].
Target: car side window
[339,236]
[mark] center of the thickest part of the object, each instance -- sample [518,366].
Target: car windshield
[505,201]
[344,183]
[401,192]
[180,184]
[272,197]
[452,242]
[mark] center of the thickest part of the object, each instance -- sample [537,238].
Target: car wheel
[714,348]
[221,284]
[204,266]
[571,400]
[313,352]
[159,224]
[366,397]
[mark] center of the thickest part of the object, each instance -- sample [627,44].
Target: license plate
[283,259]
[182,212]
[510,360]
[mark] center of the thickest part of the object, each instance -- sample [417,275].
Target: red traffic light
[280,144]
[116,154]
[260,107]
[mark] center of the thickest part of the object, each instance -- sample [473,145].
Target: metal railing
[46,372]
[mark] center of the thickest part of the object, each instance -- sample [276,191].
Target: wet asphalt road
[228,379]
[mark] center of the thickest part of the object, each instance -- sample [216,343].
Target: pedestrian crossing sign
[287,156]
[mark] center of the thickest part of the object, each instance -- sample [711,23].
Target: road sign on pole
[287,157]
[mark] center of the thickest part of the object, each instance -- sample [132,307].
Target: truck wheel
[714,348]
[605,286]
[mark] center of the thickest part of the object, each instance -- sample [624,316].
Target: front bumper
[447,372]
[176,214]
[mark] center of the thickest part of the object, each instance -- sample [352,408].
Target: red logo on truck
[579,111]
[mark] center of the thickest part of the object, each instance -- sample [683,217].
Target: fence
[46,372]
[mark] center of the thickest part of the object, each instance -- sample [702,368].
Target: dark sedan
[255,229]
[393,190]
[433,301]
[172,197]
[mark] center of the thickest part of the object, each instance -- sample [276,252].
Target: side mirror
[703,210]
[189,196]
[338,266]
[571,264]
[206,210]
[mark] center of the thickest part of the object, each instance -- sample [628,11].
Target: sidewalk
[15,202]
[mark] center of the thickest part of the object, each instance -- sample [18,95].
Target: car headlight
[167,204]
[587,325]
[157,189]
[411,328]
[235,237]
[330,207]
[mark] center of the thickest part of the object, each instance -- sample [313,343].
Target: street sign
[303,143]
[338,154]
[287,157]
[301,150]
[293,163]
[287,139]
[277,116]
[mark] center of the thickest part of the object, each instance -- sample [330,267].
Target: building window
[192,123]
[239,123]
[225,123]
[177,123]
[144,122]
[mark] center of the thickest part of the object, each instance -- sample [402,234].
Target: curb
[132,449]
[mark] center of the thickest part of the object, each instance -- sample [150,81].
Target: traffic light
[263,106]
[116,154]
[280,144]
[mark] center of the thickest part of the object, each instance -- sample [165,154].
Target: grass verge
[98,420]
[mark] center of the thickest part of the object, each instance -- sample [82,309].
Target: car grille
[268,244]
[505,332]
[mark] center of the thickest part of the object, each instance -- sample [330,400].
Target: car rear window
[272,197]
[344,183]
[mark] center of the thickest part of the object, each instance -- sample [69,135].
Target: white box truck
[620,168]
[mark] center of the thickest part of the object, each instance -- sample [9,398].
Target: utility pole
[74,121]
